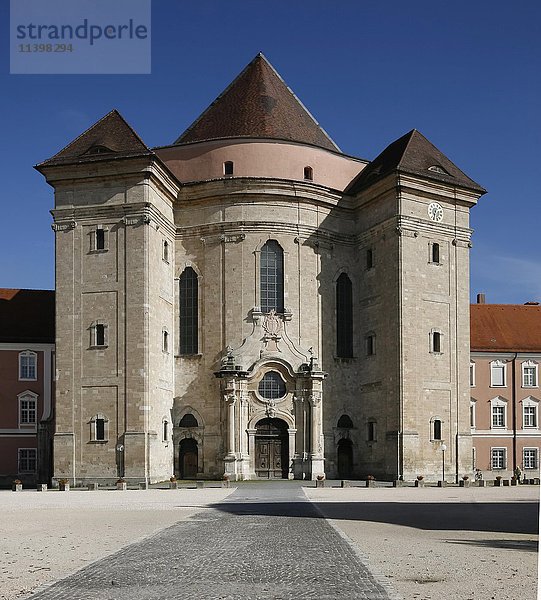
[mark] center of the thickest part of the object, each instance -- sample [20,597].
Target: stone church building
[251,301]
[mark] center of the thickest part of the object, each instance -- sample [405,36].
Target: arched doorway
[345,459]
[272,449]
[187,458]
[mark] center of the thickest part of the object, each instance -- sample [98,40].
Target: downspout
[514,400]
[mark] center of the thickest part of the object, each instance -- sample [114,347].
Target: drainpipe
[514,400]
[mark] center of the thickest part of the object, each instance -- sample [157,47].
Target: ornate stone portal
[268,385]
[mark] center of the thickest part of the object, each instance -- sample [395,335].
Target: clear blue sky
[466,74]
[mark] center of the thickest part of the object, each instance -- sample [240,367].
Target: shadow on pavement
[495,517]
[524,545]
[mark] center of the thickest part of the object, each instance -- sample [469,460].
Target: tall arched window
[271,272]
[189,312]
[344,317]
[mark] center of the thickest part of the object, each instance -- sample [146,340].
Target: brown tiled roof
[27,316]
[110,137]
[414,154]
[505,327]
[258,104]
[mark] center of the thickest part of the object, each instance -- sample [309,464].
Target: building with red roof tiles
[505,396]
[250,301]
[26,385]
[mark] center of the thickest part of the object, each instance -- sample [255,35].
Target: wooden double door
[272,449]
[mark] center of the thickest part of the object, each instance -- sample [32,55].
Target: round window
[272,386]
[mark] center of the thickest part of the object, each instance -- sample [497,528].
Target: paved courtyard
[266,540]
[262,542]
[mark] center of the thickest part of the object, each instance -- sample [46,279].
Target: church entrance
[187,459]
[272,449]
[345,459]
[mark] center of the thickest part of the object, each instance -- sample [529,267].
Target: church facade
[250,301]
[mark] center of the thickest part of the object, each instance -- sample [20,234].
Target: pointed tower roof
[413,153]
[258,104]
[110,137]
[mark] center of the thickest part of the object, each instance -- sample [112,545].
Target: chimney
[480,298]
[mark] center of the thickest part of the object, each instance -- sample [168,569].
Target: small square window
[28,460]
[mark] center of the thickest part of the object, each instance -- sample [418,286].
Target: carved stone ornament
[230,398]
[232,237]
[64,226]
[272,324]
[271,409]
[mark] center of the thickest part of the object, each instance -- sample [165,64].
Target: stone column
[251,452]
[231,401]
[316,449]
[291,470]
[299,455]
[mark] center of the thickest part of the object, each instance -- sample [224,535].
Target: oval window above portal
[272,386]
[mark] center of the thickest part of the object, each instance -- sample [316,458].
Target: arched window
[189,322]
[271,273]
[345,422]
[165,251]
[188,420]
[344,317]
[308,173]
[99,428]
[272,386]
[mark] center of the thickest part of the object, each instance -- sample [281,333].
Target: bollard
[199,484]
[345,483]
[41,487]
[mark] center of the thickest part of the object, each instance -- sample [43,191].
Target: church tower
[113,221]
[250,301]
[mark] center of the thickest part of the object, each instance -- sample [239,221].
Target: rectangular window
[371,431]
[529,377]
[27,410]
[529,458]
[497,375]
[435,253]
[27,460]
[28,366]
[369,258]
[100,430]
[530,416]
[498,416]
[370,345]
[100,335]
[472,414]
[498,458]
[436,342]
[100,239]
[472,374]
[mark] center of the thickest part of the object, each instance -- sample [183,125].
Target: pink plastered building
[505,392]
[26,385]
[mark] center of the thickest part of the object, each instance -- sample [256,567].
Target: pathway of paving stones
[265,541]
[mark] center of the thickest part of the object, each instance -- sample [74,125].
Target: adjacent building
[249,300]
[504,378]
[26,389]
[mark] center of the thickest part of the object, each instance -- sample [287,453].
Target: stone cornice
[259,189]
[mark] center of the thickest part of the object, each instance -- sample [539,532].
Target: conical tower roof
[258,104]
[414,154]
[110,137]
